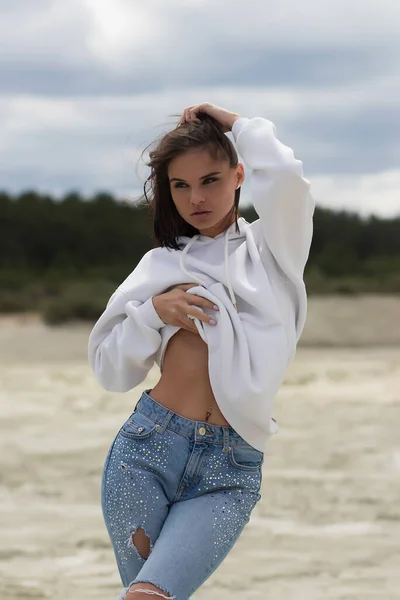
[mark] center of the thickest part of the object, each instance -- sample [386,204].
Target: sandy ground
[328,524]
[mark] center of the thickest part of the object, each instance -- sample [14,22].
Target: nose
[196,203]
[197,193]
[196,197]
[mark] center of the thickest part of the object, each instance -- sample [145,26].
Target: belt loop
[226,447]
[161,428]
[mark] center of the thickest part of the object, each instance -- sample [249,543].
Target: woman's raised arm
[280,194]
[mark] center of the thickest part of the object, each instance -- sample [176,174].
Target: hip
[191,457]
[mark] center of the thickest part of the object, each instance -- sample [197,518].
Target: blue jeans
[189,485]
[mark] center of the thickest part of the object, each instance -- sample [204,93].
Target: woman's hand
[224,117]
[173,307]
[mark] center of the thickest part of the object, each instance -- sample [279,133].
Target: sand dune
[328,524]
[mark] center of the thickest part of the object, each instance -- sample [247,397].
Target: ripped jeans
[190,486]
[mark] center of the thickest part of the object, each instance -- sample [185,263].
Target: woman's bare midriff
[184,386]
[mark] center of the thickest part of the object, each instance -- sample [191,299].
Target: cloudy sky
[86,85]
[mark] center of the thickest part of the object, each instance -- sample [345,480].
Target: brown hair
[208,135]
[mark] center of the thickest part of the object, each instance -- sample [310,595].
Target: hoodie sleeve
[124,341]
[280,194]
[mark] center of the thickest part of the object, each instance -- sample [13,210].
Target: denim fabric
[189,485]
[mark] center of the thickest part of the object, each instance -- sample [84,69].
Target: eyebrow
[202,177]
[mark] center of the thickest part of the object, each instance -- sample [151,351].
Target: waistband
[200,431]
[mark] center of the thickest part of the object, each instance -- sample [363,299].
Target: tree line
[47,244]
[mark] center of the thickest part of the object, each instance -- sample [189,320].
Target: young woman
[219,305]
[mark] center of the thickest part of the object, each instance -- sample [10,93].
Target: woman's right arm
[123,343]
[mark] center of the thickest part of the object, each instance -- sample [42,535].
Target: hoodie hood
[203,240]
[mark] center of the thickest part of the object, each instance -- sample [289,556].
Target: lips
[203,212]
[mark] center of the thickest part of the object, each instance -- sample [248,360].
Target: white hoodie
[255,277]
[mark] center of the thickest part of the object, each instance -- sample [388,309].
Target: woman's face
[191,191]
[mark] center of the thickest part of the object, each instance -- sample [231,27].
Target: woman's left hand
[224,117]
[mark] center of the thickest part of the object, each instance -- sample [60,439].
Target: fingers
[200,300]
[201,315]
[185,286]
[190,115]
[193,303]
[196,299]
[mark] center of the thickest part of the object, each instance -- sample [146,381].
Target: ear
[239,175]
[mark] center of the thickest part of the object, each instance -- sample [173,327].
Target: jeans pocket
[139,426]
[244,456]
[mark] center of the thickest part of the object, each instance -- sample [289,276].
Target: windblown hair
[168,224]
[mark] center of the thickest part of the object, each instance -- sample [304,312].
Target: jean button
[140,428]
[202,431]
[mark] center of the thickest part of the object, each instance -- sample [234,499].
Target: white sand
[328,525]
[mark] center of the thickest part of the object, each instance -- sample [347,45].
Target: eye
[208,179]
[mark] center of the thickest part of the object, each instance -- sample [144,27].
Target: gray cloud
[253,66]
[83,83]
[364,142]
[62,51]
